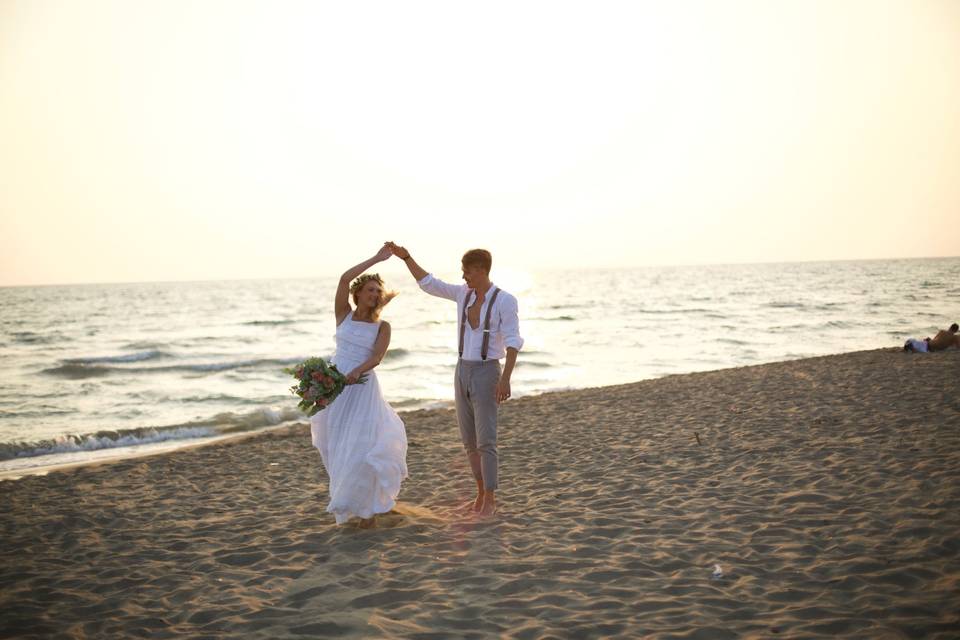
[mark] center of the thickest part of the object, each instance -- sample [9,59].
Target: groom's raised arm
[431,285]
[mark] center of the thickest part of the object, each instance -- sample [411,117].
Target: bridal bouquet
[320,382]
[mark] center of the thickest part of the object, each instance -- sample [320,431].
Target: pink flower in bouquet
[319,383]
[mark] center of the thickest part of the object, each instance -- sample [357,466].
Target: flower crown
[362,280]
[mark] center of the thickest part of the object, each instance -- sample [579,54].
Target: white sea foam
[222,423]
[92,442]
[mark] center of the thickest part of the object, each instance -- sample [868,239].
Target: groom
[488,330]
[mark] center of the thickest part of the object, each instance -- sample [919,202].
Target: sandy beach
[815,498]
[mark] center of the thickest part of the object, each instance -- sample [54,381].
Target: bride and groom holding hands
[361,439]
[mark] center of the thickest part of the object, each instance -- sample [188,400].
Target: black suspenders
[486,322]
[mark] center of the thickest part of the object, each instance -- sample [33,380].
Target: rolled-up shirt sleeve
[437,287]
[510,324]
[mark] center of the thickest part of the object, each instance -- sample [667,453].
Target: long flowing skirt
[363,446]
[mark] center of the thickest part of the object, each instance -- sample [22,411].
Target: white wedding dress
[362,440]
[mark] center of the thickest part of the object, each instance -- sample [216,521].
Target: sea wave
[43,412]
[220,424]
[96,441]
[668,311]
[77,371]
[538,364]
[29,337]
[225,366]
[219,398]
[232,422]
[268,323]
[144,345]
[139,356]
[571,305]
[838,324]
[417,404]
[733,341]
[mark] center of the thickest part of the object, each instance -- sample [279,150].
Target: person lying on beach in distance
[919,346]
[945,339]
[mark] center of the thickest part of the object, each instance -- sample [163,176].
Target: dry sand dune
[827,490]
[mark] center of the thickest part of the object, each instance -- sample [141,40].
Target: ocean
[108,370]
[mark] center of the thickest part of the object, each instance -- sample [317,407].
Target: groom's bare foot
[489,504]
[478,503]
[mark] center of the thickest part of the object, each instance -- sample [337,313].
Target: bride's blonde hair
[385,297]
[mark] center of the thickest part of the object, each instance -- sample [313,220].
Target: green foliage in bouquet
[319,383]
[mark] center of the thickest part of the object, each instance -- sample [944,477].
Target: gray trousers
[475,383]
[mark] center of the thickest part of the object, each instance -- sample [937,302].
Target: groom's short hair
[477,258]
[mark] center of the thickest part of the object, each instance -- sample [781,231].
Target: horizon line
[548,269]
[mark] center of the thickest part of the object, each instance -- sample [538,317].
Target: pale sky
[192,140]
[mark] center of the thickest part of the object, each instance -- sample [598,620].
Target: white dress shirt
[504,322]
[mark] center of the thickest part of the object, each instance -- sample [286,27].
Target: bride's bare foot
[367,523]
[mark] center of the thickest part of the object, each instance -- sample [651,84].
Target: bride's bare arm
[341,304]
[379,350]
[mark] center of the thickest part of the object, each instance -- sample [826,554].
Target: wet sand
[827,490]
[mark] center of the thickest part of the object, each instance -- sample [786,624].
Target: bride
[362,441]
